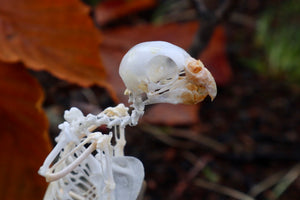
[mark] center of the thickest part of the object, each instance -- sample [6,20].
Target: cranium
[160,72]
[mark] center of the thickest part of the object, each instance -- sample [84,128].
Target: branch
[222,190]
[209,20]
[201,10]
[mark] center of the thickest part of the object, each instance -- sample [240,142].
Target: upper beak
[200,76]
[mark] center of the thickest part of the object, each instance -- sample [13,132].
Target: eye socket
[162,70]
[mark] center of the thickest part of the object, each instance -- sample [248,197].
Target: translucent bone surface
[160,72]
[85,165]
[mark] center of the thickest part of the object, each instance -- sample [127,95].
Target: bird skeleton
[87,164]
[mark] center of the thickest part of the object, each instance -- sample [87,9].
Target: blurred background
[243,145]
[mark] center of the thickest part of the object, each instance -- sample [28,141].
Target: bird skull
[160,72]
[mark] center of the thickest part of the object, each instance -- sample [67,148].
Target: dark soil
[257,120]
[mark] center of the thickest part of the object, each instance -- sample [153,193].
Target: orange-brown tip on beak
[200,76]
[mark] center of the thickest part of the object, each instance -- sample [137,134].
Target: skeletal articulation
[85,164]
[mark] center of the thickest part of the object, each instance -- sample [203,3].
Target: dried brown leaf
[215,57]
[110,10]
[53,35]
[23,135]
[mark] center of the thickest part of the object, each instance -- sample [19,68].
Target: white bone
[76,134]
[160,72]
[128,175]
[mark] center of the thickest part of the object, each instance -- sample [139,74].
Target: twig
[243,19]
[209,20]
[90,96]
[286,181]
[164,137]
[223,12]
[222,190]
[142,191]
[265,184]
[199,164]
[202,11]
[200,139]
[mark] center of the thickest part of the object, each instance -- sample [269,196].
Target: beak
[197,74]
[211,86]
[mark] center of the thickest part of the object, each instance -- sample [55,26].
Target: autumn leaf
[215,57]
[53,35]
[24,141]
[171,115]
[111,10]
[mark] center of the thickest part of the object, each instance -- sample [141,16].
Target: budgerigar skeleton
[87,164]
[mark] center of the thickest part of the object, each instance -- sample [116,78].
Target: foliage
[56,36]
[23,136]
[277,33]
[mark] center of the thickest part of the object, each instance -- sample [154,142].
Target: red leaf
[23,137]
[53,35]
[110,10]
[170,115]
[215,58]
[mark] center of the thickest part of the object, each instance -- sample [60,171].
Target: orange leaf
[215,58]
[171,115]
[53,35]
[110,10]
[23,135]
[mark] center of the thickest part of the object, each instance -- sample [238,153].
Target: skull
[160,72]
